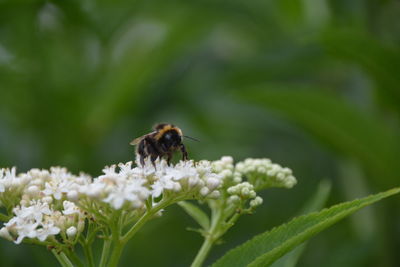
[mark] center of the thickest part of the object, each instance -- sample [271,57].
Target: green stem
[116,240]
[75,259]
[203,252]
[116,253]
[213,235]
[145,218]
[62,259]
[87,249]
[119,242]
[65,258]
[105,252]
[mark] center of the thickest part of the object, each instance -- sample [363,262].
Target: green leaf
[196,213]
[316,202]
[266,248]
[337,123]
[376,58]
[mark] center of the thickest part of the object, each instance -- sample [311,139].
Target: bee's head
[171,138]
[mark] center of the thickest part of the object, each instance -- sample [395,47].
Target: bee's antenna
[194,139]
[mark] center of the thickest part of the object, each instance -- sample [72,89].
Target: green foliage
[337,124]
[266,248]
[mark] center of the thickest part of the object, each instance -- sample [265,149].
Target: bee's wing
[136,141]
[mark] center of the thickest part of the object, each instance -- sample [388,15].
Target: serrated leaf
[266,248]
[196,213]
[316,202]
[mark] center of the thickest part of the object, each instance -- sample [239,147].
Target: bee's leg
[152,150]
[142,160]
[169,157]
[184,152]
[153,159]
[141,152]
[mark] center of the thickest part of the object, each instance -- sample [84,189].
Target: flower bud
[72,195]
[71,231]
[193,182]
[245,192]
[204,191]
[256,202]
[33,190]
[233,199]
[5,234]
[214,194]
[212,183]
[177,187]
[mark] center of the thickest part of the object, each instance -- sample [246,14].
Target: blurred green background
[313,85]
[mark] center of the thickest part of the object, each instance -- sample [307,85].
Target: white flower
[10,181]
[94,190]
[27,229]
[70,208]
[35,211]
[46,230]
[163,183]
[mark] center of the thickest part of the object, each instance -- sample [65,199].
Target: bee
[162,142]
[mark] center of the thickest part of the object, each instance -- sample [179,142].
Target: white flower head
[185,177]
[9,181]
[262,173]
[118,187]
[32,222]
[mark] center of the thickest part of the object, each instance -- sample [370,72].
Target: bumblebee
[162,142]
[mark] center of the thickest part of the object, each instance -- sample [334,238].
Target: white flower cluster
[243,179]
[132,186]
[39,203]
[10,183]
[226,169]
[39,220]
[46,203]
[244,191]
[118,187]
[262,173]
